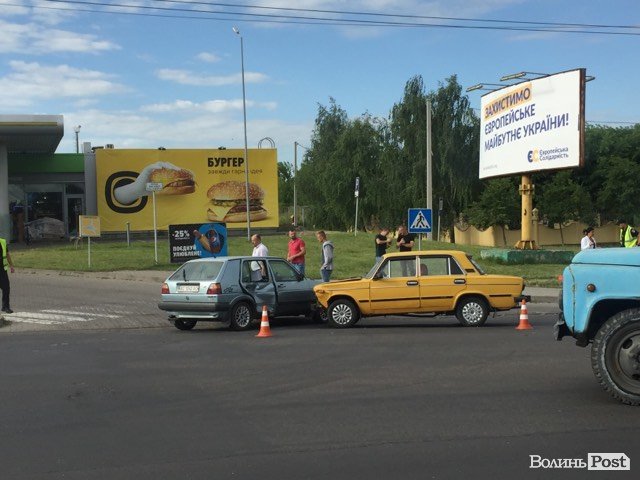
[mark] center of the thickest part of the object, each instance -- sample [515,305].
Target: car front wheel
[615,356]
[240,316]
[320,315]
[472,311]
[342,313]
[184,324]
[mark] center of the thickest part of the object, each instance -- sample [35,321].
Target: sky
[138,74]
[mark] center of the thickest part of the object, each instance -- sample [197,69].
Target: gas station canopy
[31,133]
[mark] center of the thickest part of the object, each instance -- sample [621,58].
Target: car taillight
[214,289]
[165,288]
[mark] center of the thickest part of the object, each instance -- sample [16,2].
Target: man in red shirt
[297,250]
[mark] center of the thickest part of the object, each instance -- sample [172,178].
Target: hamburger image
[175,181]
[228,202]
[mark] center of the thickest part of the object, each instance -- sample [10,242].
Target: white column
[5,217]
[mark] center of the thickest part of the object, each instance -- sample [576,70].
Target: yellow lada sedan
[436,281]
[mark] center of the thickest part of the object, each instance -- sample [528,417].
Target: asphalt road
[130,397]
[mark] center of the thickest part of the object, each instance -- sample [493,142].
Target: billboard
[191,186]
[533,125]
[194,240]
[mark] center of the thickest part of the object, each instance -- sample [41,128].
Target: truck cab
[600,305]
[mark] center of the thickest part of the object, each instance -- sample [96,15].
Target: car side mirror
[299,276]
[379,274]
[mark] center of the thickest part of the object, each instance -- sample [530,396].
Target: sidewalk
[538,294]
[542,294]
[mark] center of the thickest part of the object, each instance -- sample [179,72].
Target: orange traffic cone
[524,317]
[265,330]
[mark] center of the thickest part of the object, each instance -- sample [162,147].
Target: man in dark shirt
[405,240]
[382,243]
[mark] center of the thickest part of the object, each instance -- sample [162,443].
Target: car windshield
[197,271]
[475,264]
[373,269]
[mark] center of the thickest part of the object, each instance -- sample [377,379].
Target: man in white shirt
[258,269]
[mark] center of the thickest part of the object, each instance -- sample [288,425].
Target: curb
[543,299]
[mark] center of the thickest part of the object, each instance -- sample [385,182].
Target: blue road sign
[420,220]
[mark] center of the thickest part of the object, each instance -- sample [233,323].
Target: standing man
[628,235]
[259,248]
[4,277]
[258,269]
[382,243]
[405,240]
[326,255]
[296,251]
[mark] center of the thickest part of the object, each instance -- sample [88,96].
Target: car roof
[234,257]
[425,253]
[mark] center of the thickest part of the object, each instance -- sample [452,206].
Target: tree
[620,192]
[321,166]
[563,199]
[499,204]
[285,184]
[455,144]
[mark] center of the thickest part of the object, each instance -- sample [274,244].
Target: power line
[395,15]
[310,20]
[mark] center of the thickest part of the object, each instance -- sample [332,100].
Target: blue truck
[600,305]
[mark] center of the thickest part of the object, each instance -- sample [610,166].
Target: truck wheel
[615,356]
[472,311]
[184,324]
[342,313]
[240,316]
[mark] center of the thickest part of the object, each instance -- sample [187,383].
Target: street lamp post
[295,193]
[77,130]
[244,112]
[295,173]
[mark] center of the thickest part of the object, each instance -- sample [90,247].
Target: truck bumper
[560,328]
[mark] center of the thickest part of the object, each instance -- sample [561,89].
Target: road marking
[57,317]
[68,312]
[27,317]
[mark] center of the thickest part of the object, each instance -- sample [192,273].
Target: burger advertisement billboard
[197,186]
[533,125]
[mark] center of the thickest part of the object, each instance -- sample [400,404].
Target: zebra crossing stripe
[26,317]
[45,317]
[65,312]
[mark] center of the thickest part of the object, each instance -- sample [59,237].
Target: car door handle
[459,281]
[412,282]
[281,285]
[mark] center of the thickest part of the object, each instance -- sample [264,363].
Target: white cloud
[185,77]
[130,129]
[29,83]
[208,57]
[212,106]
[31,38]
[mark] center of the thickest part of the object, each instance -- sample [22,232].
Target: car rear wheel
[184,324]
[615,356]
[472,311]
[342,313]
[240,316]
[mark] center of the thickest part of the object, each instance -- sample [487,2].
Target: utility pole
[429,175]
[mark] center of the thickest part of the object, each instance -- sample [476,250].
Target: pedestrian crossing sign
[420,220]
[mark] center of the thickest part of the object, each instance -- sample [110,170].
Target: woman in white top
[588,241]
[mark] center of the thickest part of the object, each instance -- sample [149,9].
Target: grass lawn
[354,256]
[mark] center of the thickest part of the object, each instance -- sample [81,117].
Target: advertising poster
[197,186]
[533,125]
[196,240]
[89,225]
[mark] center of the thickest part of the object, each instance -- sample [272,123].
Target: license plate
[188,288]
